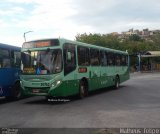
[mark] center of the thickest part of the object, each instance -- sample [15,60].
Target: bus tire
[117,82]
[16,91]
[82,89]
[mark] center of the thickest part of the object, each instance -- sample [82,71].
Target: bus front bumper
[40,89]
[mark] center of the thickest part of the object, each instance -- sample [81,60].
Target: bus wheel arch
[117,81]
[83,88]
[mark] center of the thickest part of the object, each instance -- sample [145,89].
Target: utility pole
[139,61]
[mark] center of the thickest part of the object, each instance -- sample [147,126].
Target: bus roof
[6,46]
[62,40]
[93,46]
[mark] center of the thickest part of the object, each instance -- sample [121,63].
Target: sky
[67,18]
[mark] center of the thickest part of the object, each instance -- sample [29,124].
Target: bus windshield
[42,62]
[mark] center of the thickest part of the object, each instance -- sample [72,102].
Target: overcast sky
[66,18]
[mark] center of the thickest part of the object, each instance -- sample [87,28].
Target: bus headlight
[21,82]
[56,83]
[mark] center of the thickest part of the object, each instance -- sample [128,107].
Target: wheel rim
[117,83]
[82,90]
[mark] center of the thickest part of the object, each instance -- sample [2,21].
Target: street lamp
[25,35]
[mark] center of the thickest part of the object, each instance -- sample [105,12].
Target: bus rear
[9,71]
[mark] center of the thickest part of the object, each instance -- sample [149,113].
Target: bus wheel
[17,94]
[82,90]
[117,82]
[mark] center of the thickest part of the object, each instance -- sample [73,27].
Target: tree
[134,37]
[134,45]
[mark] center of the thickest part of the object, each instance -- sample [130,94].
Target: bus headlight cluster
[21,82]
[56,83]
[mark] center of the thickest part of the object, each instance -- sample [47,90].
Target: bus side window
[124,60]
[103,57]
[69,58]
[109,61]
[4,58]
[1,59]
[17,59]
[94,57]
[83,56]
[6,63]
[118,59]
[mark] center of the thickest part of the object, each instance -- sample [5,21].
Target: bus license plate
[35,90]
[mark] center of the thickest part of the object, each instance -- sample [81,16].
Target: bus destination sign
[42,43]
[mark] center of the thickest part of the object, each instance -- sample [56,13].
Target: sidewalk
[132,74]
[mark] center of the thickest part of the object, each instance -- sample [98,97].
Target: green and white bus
[60,68]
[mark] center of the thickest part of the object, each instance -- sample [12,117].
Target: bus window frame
[104,52]
[111,56]
[88,60]
[94,57]
[6,57]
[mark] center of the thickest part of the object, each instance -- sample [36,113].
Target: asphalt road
[135,104]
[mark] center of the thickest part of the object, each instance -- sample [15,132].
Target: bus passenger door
[70,80]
